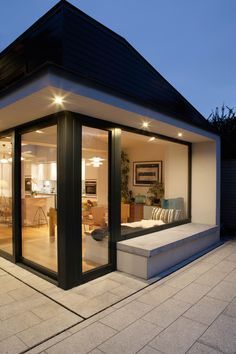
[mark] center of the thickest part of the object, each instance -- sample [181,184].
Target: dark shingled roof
[69,39]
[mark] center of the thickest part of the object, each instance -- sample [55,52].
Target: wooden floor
[38,247]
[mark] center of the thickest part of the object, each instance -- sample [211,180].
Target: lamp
[96,161]
[3,159]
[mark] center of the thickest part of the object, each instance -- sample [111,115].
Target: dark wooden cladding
[67,37]
[228,194]
[42,45]
[125,70]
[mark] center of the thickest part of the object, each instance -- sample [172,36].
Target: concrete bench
[149,255]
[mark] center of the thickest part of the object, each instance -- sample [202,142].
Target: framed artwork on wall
[147,172]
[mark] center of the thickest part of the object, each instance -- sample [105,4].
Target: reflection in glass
[154,182]
[94,198]
[39,197]
[6,194]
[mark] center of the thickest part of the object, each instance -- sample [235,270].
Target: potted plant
[156,192]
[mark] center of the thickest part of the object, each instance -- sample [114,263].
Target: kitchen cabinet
[44,171]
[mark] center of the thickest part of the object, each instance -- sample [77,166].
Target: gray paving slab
[96,351]
[12,345]
[16,324]
[158,295]
[48,343]
[206,310]
[221,335]
[225,291]
[230,310]
[131,339]
[225,266]
[182,280]
[124,316]
[5,299]
[231,277]
[211,278]
[200,267]
[83,341]
[192,293]
[199,348]
[231,257]
[18,307]
[179,336]
[48,328]
[148,350]
[167,312]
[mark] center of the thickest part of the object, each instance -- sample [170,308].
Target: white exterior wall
[206,182]
[176,173]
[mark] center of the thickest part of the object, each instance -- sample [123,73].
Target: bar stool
[40,217]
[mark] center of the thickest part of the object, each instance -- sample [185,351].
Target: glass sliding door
[6,194]
[95,205]
[39,197]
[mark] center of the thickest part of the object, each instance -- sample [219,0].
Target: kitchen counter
[38,196]
[32,204]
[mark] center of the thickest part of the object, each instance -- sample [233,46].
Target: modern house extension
[103,164]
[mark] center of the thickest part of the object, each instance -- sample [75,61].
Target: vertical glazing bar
[69,202]
[16,196]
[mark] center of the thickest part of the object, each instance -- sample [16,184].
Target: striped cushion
[177,215]
[171,215]
[164,215]
[156,213]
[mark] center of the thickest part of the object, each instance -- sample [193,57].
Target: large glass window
[39,196]
[6,194]
[95,228]
[154,182]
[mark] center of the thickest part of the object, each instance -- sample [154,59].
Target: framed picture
[147,172]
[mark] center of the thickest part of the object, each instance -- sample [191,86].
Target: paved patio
[190,311]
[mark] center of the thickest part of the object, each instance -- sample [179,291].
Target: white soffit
[18,108]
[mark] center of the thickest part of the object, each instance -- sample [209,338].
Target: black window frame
[69,127]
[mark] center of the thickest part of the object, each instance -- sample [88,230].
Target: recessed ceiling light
[145,124]
[39,131]
[58,100]
[180,134]
[152,138]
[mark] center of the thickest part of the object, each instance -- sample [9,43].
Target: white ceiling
[40,103]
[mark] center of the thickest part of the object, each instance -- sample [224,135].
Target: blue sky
[190,42]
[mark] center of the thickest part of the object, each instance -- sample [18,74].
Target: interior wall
[174,159]
[205,183]
[176,173]
[147,152]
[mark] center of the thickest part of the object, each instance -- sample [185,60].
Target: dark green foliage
[223,121]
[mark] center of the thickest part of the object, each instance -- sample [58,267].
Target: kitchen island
[35,209]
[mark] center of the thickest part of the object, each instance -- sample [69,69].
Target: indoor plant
[125,162]
[156,192]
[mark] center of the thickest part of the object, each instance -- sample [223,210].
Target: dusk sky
[190,42]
